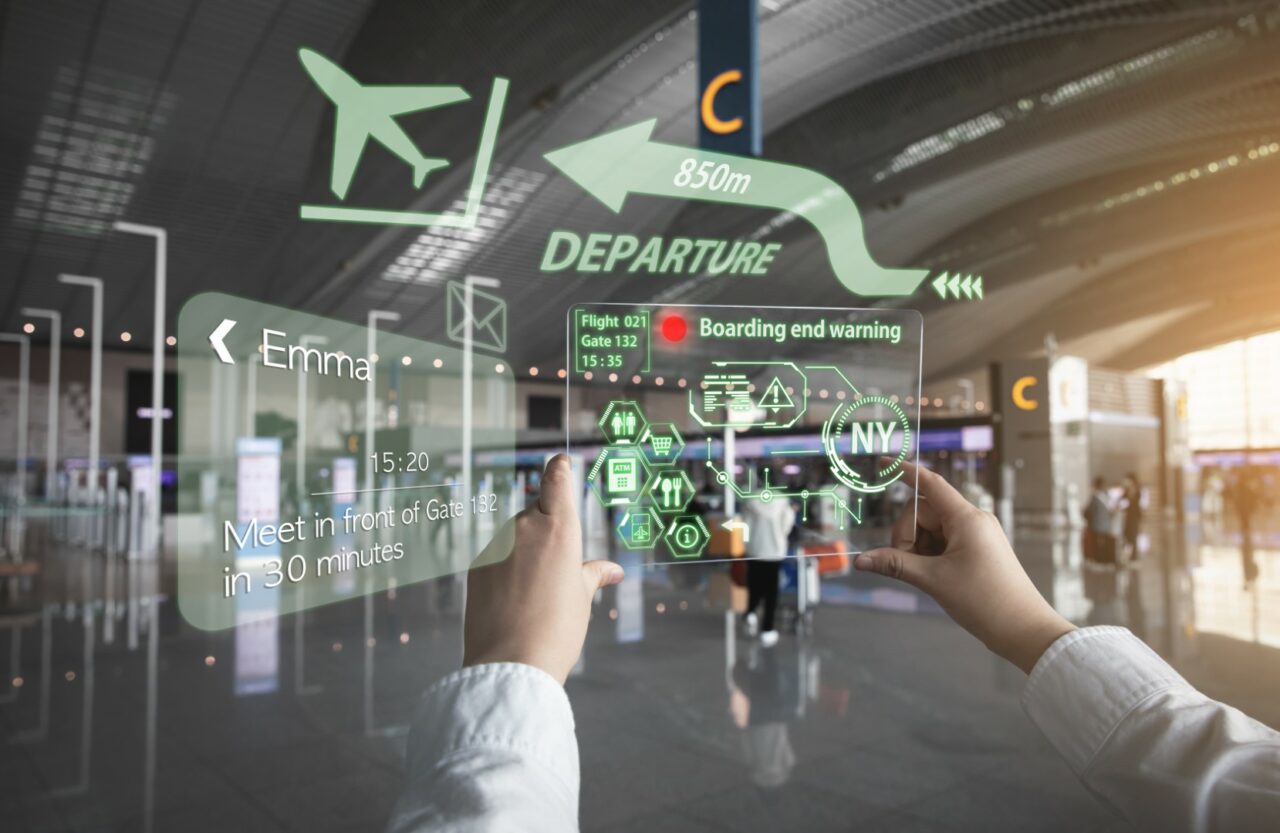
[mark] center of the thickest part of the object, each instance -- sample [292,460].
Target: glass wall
[1232,398]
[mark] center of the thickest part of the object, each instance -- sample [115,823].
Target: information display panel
[711,421]
[322,460]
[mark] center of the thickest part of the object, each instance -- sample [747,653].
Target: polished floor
[117,716]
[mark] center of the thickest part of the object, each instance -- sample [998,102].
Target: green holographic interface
[707,418]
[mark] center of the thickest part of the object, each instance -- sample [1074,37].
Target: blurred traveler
[1212,502]
[1100,542]
[1132,515]
[493,748]
[1246,496]
[769,524]
[762,698]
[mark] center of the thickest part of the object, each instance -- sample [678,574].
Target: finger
[557,487]
[934,488]
[895,563]
[601,573]
[916,515]
[503,542]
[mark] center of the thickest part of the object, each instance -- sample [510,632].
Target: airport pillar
[1041,414]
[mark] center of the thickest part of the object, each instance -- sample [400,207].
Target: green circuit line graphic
[767,395]
[767,492]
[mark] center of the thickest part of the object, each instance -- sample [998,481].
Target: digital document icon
[763,394]
[367,112]
[686,537]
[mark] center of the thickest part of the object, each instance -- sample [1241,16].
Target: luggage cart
[798,595]
[801,589]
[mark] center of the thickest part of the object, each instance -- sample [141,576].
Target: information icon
[687,536]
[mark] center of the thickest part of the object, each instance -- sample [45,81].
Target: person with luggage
[769,524]
[1100,542]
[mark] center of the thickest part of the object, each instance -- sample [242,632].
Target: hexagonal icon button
[617,477]
[622,423]
[661,443]
[669,490]
[639,528]
[686,537]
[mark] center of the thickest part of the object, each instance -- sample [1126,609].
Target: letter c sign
[1019,394]
[708,109]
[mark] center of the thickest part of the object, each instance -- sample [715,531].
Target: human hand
[532,606]
[960,556]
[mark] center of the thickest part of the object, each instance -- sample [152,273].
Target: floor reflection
[116,715]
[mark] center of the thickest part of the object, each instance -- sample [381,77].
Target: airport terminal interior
[299,297]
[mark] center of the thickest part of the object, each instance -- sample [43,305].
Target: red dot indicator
[674,328]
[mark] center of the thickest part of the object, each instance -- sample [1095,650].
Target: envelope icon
[484,313]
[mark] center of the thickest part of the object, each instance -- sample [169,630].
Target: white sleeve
[1147,743]
[492,748]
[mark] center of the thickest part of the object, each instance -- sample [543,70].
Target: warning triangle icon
[775,397]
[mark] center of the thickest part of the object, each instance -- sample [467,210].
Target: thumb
[895,563]
[601,573]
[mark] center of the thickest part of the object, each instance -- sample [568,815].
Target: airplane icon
[369,111]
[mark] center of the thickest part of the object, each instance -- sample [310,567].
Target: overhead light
[442,252]
[28,328]
[93,143]
[1069,92]
[78,332]
[126,337]
[170,340]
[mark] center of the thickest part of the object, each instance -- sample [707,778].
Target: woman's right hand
[960,556]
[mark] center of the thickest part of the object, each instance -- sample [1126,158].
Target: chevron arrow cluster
[968,285]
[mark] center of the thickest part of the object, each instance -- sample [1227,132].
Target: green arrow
[954,286]
[977,287]
[940,285]
[966,286]
[625,161]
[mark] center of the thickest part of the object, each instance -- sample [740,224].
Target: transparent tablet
[711,426]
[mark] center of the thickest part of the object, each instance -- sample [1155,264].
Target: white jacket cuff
[491,706]
[1087,682]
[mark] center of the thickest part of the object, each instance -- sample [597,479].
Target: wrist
[515,656]
[1034,641]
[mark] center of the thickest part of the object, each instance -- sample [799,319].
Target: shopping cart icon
[661,444]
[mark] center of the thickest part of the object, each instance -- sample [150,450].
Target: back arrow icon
[734,523]
[216,337]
